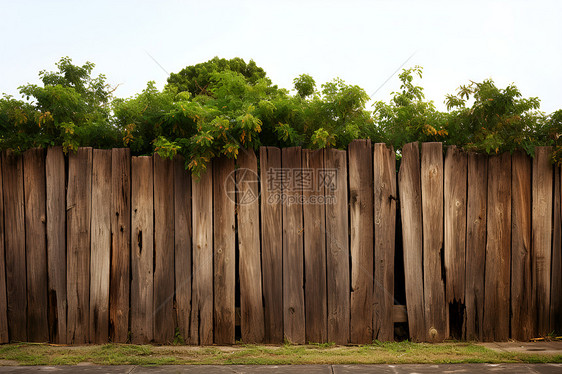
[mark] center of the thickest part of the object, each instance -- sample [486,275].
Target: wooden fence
[101,246]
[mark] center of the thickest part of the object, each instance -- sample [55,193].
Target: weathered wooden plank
[4,334]
[248,216]
[56,243]
[202,272]
[35,244]
[142,250]
[498,249]
[542,239]
[361,240]
[224,238]
[293,267]
[556,271]
[475,244]
[337,246]
[384,183]
[314,215]
[272,243]
[100,257]
[78,214]
[14,231]
[409,183]
[182,246]
[121,244]
[436,317]
[522,311]
[163,250]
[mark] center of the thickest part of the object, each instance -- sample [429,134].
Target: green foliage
[220,106]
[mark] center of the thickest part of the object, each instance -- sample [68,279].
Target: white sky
[362,42]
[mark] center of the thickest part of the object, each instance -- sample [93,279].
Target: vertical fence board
[542,231]
[224,238]
[409,181]
[271,243]
[498,249]
[120,244]
[78,213]
[4,334]
[35,244]
[556,271]
[455,185]
[163,250]
[361,240]
[14,231]
[337,247]
[56,243]
[522,313]
[314,215]
[201,326]
[436,318]
[100,258]
[384,184]
[293,282]
[182,245]
[247,193]
[475,244]
[142,250]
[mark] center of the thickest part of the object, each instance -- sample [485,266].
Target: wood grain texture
[385,196]
[271,243]
[314,215]
[56,243]
[556,271]
[412,235]
[293,260]
[542,239]
[4,333]
[337,247]
[142,250]
[120,245]
[163,250]
[436,316]
[100,257]
[476,207]
[455,186]
[224,237]
[498,249]
[78,214]
[36,244]
[361,195]
[202,272]
[248,216]
[14,239]
[522,319]
[182,246]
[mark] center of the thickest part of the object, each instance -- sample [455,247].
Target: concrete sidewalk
[308,369]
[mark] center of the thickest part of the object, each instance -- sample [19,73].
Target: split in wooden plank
[522,311]
[56,243]
[385,196]
[337,246]
[224,237]
[248,216]
[361,240]
[78,215]
[271,243]
[142,250]
[4,333]
[556,271]
[412,229]
[314,216]
[121,245]
[293,272]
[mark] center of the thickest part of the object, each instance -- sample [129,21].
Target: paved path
[308,369]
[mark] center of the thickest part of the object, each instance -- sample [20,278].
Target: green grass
[376,353]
